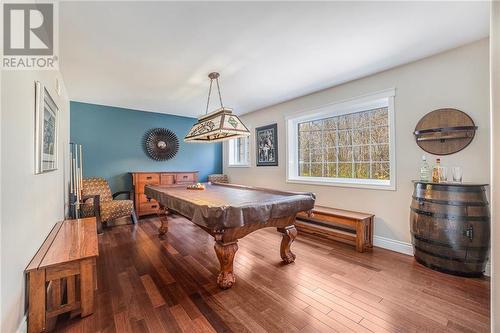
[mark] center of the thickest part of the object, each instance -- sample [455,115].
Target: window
[238,152]
[348,143]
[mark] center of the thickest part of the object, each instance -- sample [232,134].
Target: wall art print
[46,123]
[267,145]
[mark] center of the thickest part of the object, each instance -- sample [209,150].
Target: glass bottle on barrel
[436,172]
[425,170]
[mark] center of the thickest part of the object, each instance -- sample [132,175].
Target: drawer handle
[154,206]
[185,177]
[149,177]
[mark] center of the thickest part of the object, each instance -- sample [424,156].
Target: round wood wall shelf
[445,131]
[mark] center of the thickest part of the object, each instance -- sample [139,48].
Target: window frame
[230,148]
[379,99]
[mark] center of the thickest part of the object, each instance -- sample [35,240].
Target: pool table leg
[289,233]
[162,214]
[225,253]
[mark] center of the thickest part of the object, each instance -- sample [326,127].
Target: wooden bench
[338,224]
[62,270]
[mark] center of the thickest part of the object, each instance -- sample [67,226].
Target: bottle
[436,171]
[425,171]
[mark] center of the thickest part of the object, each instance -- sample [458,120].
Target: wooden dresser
[140,179]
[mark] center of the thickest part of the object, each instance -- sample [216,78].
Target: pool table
[229,212]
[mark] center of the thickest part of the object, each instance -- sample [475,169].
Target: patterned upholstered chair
[98,201]
[218,178]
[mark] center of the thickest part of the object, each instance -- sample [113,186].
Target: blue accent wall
[113,147]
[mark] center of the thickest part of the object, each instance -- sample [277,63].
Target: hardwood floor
[152,285]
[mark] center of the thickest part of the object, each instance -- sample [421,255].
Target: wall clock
[161,144]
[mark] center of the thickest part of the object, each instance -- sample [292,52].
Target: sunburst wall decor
[161,144]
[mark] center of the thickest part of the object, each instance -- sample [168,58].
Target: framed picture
[46,123]
[267,145]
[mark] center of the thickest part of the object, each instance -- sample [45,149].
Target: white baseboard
[393,245]
[487,270]
[23,325]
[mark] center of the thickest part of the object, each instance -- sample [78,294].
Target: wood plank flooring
[152,285]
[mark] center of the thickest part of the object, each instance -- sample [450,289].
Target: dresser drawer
[167,179]
[185,178]
[142,198]
[149,178]
[146,207]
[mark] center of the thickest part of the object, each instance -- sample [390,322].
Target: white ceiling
[155,56]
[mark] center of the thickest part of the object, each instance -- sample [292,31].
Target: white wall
[0,201]
[495,141]
[458,78]
[31,204]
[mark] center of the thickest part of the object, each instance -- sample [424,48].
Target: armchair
[218,178]
[97,200]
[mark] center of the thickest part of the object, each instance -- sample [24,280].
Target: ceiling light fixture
[218,125]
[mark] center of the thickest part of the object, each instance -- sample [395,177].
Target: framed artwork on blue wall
[267,145]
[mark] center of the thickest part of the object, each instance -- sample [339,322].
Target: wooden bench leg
[360,237]
[70,289]
[36,299]
[75,285]
[71,293]
[87,286]
[54,301]
[370,236]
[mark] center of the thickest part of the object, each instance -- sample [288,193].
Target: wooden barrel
[450,227]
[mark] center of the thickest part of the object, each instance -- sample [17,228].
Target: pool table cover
[222,206]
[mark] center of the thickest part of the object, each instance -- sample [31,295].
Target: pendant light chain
[216,78]
[220,96]
[209,92]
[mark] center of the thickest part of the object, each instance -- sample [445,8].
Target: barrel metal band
[470,261]
[449,188]
[448,245]
[452,217]
[453,203]
[447,270]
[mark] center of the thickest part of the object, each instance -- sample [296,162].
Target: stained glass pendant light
[218,125]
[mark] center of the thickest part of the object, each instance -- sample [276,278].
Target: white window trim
[335,109]
[248,164]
